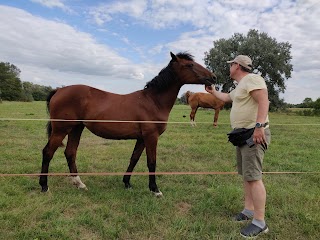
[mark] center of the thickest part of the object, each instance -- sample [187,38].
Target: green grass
[193,206]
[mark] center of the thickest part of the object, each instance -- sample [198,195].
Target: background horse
[205,100]
[138,110]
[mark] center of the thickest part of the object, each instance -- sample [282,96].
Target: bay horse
[205,100]
[140,115]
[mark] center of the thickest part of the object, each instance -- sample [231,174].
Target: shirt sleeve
[255,83]
[231,94]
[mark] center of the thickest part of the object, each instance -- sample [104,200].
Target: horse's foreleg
[151,149]
[138,149]
[216,116]
[47,154]
[71,154]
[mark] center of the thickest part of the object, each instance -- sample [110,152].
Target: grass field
[193,206]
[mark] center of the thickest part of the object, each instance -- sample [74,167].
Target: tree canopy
[10,83]
[271,59]
[13,89]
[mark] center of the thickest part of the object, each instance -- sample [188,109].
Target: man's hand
[259,137]
[222,96]
[210,89]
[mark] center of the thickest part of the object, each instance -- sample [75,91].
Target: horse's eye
[190,65]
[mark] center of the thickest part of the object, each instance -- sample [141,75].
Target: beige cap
[243,60]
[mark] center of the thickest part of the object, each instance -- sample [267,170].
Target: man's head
[240,67]
[243,60]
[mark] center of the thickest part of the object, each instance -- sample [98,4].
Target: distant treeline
[13,89]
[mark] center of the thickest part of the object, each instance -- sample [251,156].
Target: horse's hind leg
[54,142]
[71,154]
[138,149]
[216,116]
[192,116]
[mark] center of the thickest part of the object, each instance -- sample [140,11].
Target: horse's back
[82,98]
[205,100]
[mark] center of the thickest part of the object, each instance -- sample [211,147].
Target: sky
[118,46]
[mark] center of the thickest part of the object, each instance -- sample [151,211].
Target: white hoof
[84,187]
[78,183]
[157,194]
[45,191]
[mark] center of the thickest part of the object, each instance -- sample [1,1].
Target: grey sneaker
[252,231]
[240,217]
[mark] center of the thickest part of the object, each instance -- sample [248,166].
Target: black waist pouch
[239,136]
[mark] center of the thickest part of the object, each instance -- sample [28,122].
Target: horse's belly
[110,130]
[205,105]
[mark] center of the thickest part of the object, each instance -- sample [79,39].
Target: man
[250,107]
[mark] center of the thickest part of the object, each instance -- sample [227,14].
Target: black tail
[49,127]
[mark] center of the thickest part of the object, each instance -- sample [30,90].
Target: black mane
[166,76]
[185,55]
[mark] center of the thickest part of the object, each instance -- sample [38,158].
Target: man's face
[233,68]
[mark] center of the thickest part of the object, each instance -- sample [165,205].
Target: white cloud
[34,41]
[103,13]
[53,4]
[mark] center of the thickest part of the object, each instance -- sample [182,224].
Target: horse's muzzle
[210,80]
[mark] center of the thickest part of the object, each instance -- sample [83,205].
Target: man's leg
[248,203]
[256,198]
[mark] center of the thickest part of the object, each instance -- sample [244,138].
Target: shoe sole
[253,237]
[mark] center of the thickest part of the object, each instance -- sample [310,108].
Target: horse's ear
[174,57]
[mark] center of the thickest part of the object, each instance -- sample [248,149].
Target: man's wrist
[261,125]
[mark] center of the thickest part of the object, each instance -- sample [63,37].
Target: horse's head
[191,72]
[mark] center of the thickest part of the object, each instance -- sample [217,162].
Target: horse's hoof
[130,189]
[83,187]
[78,183]
[45,189]
[157,194]
[127,186]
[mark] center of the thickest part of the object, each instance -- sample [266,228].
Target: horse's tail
[49,127]
[188,93]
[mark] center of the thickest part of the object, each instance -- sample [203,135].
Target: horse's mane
[166,76]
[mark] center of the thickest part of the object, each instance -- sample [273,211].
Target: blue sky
[118,46]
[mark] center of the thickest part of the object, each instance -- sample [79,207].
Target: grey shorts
[249,160]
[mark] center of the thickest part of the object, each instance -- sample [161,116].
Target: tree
[27,92]
[183,98]
[13,89]
[10,83]
[316,106]
[35,92]
[307,103]
[270,59]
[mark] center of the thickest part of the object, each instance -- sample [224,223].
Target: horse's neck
[166,99]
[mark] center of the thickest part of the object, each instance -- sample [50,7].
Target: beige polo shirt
[244,108]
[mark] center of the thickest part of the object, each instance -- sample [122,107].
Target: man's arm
[222,96]
[261,97]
